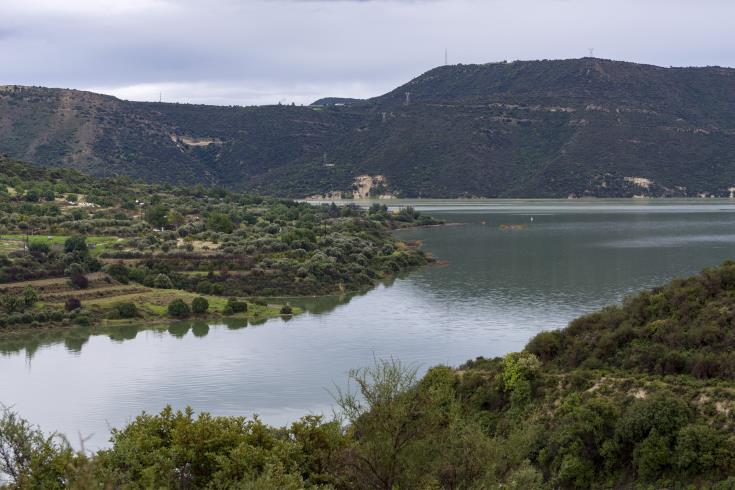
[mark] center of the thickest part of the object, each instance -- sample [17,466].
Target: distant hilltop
[551,128]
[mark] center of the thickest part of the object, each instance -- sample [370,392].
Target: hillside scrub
[541,418]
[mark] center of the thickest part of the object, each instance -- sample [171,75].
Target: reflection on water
[74,338]
[500,286]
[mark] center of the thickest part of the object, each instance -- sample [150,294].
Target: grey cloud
[263,51]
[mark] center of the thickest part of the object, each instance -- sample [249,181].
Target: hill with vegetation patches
[581,127]
[80,250]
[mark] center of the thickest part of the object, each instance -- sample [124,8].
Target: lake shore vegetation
[638,395]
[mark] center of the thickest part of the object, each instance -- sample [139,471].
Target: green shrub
[234,306]
[137,275]
[11,303]
[30,296]
[82,320]
[156,216]
[162,281]
[652,456]
[517,367]
[126,310]
[178,309]
[39,247]
[219,222]
[119,272]
[199,305]
[545,345]
[701,449]
[76,243]
[73,269]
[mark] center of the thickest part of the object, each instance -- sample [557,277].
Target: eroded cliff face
[366,186]
[363,187]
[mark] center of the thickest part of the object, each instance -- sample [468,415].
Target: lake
[513,268]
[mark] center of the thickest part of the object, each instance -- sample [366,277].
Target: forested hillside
[584,127]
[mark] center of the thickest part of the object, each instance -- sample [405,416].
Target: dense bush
[219,222]
[72,304]
[38,247]
[162,281]
[234,306]
[178,309]
[119,272]
[76,244]
[199,305]
[126,310]
[79,281]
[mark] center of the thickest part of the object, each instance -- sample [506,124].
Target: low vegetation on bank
[79,250]
[634,396]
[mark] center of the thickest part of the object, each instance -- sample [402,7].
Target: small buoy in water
[483,223]
[531,218]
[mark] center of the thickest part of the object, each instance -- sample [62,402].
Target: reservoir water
[509,269]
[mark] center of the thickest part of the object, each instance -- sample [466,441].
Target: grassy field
[103,295]
[153,304]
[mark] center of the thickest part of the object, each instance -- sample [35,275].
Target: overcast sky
[269,51]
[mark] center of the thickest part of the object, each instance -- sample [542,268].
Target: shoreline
[141,321]
[262,313]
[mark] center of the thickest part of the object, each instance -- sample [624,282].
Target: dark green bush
[126,310]
[39,247]
[119,272]
[199,305]
[178,309]
[235,306]
[77,243]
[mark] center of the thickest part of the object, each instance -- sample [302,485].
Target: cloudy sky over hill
[266,51]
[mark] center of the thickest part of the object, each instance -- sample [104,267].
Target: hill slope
[523,129]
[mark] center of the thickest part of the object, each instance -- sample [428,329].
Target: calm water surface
[497,290]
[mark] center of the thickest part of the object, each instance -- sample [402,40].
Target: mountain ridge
[561,128]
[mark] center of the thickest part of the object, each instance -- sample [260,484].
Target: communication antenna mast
[592,52]
[160,97]
[446,57]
